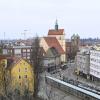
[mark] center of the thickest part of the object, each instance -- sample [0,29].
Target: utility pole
[4,35]
[25,34]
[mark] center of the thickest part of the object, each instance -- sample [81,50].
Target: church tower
[56,25]
[60,36]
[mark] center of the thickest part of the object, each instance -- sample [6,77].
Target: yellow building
[3,63]
[22,76]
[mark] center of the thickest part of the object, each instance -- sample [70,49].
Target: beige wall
[44,44]
[63,57]
[61,39]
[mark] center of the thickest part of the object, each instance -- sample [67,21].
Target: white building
[83,63]
[95,64]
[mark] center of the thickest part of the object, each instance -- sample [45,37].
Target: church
[56,40]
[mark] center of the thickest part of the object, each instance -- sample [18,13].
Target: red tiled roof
[53,42]
[56,32]
[13,61]
[3,56]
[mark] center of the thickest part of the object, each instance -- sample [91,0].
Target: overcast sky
[38,16]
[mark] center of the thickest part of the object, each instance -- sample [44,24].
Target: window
[25,69]
[24,50]
[19,69]
[25,76]
[19,77]
[28,50]
[59,38]
[20,84]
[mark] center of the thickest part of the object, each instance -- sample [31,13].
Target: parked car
[64,66]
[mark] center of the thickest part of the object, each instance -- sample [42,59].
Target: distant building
[18,51]
[75,40]
[75,43]
[83,63]
[27,42]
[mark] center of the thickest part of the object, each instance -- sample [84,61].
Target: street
[69,74]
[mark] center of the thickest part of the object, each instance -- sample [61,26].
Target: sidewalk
[70,74]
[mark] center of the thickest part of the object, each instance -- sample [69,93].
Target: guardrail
[72,89]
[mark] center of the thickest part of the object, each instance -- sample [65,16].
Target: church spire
[56,25]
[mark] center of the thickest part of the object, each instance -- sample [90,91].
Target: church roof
[56,32]
[53,42]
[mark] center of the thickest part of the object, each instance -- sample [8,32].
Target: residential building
[3,64]
[18,51]
[83,63]
[95,64]
[15,73]
[21,75]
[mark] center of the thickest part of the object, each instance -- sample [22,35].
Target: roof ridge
[53,42]
[56,32]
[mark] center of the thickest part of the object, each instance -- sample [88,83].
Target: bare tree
[36,60]
[4,80]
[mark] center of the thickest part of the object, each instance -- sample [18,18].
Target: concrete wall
[83,63]
[68,89]
[95,63]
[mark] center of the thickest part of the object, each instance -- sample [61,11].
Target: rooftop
[53,42]
[56,32]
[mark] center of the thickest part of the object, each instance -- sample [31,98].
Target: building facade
[52,60]
[75,43]
[3,65]
[83,63]
[21,76]
[18,51]
[95,64]
[60,35]
[56,39]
